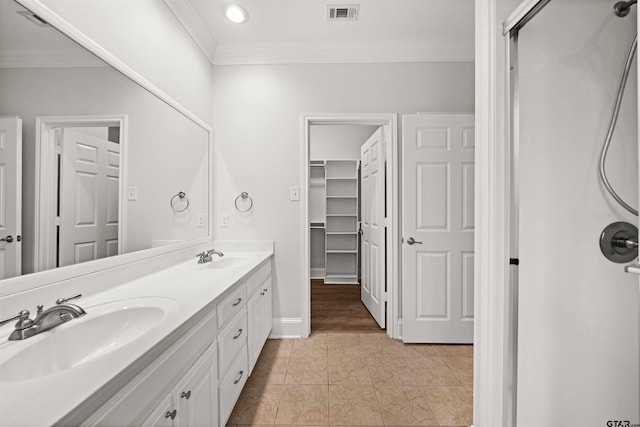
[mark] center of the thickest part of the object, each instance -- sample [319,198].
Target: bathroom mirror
[107,167]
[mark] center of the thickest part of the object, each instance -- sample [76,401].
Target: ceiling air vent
[33,18]
[343,12]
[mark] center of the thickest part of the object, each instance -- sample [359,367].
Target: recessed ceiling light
[236,13]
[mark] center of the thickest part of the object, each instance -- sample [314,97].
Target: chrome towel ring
[177,198]
[244,196]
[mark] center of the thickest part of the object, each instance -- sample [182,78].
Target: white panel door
[10,197]
[89,195]
[437,206]
[372,289]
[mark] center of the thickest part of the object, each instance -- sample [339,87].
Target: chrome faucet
[44,320]
[204,257]
[215,252]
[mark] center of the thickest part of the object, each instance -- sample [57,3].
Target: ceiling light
[236,13]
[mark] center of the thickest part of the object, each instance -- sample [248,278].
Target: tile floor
[357,379]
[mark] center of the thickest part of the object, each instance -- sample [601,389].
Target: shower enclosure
[578,359]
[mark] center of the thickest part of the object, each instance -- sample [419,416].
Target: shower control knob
[619,242]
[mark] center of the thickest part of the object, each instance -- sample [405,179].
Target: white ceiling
[281,31]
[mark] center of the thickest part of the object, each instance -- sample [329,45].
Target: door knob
[412,241]
[7,239]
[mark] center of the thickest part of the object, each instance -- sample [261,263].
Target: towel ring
[244,196]
[181,195]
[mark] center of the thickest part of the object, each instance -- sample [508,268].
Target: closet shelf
[341,251]
[343,232]
[342,215]
[341,178]
[342,197]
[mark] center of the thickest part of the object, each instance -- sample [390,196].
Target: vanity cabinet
[198,379]
[189,404]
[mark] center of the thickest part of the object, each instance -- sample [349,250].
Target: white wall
[258,139]
[338,142]
[578,330]
[165,151]
[146,36]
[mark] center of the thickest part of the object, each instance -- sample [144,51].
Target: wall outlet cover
[294,193]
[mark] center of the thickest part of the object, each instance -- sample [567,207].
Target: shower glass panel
[578,313]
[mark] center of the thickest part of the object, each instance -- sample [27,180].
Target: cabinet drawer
[231,340]
[231,385]
[232,304]
[259,277]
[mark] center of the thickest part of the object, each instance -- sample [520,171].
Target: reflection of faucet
[204,257]
[45,320]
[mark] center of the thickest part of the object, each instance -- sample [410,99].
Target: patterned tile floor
[357,379]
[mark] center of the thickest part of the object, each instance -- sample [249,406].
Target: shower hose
[612,126]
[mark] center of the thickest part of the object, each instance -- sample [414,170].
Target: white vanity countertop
[46,399]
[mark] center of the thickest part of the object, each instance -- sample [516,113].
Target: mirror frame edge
[34,280]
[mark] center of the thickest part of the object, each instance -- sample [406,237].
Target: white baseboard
[286,327]
[317,273]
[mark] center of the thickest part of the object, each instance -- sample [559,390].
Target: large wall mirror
[92,165]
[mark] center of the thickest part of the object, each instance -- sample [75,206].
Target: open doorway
[350,270]
[342,295]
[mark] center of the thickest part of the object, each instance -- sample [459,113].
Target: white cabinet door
[255,311]
[260,310]
[163,415]
[197,395]
[267,300]
[438,207]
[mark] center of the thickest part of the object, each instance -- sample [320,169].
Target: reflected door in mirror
[88,198]
[10,196]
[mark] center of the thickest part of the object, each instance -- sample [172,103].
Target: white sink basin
[228,262]
[104,329]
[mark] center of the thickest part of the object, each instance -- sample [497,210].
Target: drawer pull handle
[171,414]
[235,337]
[262,293]
[186,394]
[239,377]
[265,290]
[237,302]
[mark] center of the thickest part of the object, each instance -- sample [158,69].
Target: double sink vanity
[174,347]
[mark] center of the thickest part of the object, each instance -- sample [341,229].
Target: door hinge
[58,140]
[57,221]
[514,261]
[385,297]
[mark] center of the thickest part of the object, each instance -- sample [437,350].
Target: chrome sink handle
[23,316]
[23,328]
[203,257]
[63,300]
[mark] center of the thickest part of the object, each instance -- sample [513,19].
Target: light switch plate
[224,220]
[294,193]
[132,193]
[202,220]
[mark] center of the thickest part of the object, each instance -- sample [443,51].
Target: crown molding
[261,53]
[47,58]
[309,53]
[191,22]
